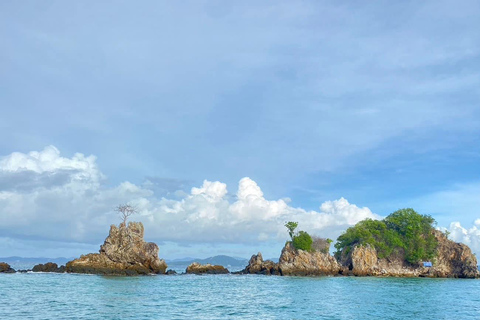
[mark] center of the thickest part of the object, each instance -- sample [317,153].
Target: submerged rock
[5,268]
[295,262]
[452,259]
[124,252]
[48,267]
[256,265]
[197,268]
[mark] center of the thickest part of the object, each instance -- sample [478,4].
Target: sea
[76,296]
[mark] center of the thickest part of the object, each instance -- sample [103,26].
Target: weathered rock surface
[124,252]
[452,260]
[256,265]
[5,268]
[197,268]
[48,267]
[294,262]
[171,272]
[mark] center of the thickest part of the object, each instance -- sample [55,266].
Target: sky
[220,121]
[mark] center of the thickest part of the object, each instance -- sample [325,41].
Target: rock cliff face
[256,265]
[295,262]
[197,268]
[124,252]
[452,260]
[5,268]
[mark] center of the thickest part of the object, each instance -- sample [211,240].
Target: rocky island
[404,244]
[124,252]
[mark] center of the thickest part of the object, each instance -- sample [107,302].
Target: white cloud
[470,237]
[49,161]
[79,208]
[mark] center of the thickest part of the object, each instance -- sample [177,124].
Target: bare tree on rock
[125,211]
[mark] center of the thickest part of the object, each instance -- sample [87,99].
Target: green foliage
[404,230]
[302,241]
[291,226]
[447,233]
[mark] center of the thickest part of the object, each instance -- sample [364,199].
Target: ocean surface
[70,296]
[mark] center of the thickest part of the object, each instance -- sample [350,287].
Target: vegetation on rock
[125,210]
[291,226]
[404,232]
[302,241]
[321,244]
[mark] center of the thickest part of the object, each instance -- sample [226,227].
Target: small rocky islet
[126,253]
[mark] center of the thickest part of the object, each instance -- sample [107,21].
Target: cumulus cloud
[207,215]
[78,206]
[470,237]
[47,198]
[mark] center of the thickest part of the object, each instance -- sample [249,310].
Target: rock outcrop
[48,267]
[295,262]
[171,272]
[197,268]
[452,259]
[124,252]
[5,268]
[256,265]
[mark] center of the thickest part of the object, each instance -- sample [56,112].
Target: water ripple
[67,296]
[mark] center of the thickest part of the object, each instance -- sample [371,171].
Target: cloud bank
[49,197]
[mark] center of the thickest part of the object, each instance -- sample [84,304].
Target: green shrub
[302,241]
[404,230]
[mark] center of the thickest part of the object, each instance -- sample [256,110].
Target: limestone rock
[48,267]
[197,268]
[256,265]
[124,252]
[5,268]
[294,262]
[452,259]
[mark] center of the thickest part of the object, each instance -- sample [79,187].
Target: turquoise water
[67,296]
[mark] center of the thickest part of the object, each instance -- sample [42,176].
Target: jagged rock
[124,252]
[5,268]
[294,262]
[171,272]
[197,268]
[452,260]
[256,265]
[48,267]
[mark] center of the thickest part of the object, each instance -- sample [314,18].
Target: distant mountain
[28,263]
[221,260]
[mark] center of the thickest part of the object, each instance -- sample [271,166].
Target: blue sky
[377,104]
